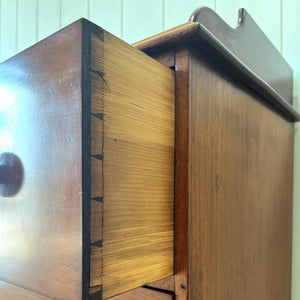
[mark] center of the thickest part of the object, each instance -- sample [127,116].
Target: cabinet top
[245,52]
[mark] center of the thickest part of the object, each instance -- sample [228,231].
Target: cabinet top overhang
[244,52]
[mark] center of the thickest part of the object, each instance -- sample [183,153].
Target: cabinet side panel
[240,208]
[137,95]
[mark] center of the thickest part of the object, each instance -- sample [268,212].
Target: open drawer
[88,138]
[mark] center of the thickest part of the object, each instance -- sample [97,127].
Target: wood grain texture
[145,294]
[41,232]
[12,292]
[233,186]
[133,96]
[240,191]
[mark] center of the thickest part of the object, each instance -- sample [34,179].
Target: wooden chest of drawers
[95,138]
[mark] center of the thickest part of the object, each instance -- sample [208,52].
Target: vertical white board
[141,19]
[49,13]
[107,14]
[72,10]
[178,12]
[27,24]
[8,29]
[290,51]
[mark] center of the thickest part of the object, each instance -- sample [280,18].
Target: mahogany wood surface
[41,225]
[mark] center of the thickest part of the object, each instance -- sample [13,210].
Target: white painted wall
[24,22]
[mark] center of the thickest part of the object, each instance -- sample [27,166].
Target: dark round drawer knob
[11,174]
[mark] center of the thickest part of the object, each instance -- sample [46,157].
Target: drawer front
[87,132]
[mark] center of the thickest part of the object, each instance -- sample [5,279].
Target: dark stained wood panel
[166,58]
[240,191]
[41,229]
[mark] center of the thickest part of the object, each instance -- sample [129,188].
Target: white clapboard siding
[8,29]
[48,24]
[108,15]
[141,19]
[178,12]
[291,43]
[27,24]
[72,10]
